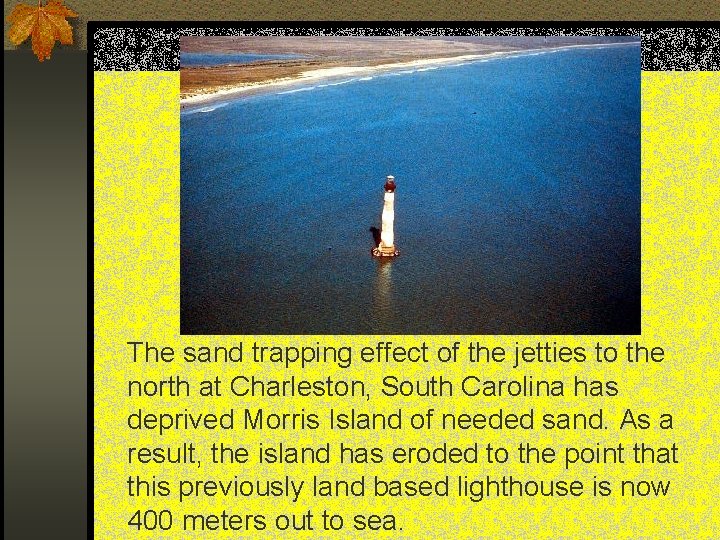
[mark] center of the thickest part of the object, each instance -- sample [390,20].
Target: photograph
[409,185]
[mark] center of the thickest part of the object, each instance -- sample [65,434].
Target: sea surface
[517,208]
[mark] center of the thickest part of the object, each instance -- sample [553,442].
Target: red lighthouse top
[390,184]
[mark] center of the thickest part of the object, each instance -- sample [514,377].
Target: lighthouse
[387,235]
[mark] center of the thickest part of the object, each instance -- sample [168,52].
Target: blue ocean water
[517,206]
[195,59]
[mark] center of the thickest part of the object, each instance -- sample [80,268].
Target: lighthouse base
[385,251]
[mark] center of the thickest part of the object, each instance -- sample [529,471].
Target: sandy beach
[211,94]
[331,71]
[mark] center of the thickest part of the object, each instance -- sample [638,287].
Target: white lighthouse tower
[387,235]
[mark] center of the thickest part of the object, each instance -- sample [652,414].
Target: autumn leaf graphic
[46,23]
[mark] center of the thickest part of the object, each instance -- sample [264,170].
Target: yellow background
[137,253]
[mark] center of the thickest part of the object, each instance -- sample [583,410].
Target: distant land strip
[329,58]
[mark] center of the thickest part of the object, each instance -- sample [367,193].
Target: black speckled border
[118,46]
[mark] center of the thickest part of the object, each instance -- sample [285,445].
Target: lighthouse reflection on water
[382,296]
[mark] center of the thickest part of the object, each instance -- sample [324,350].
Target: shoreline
[220,94]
